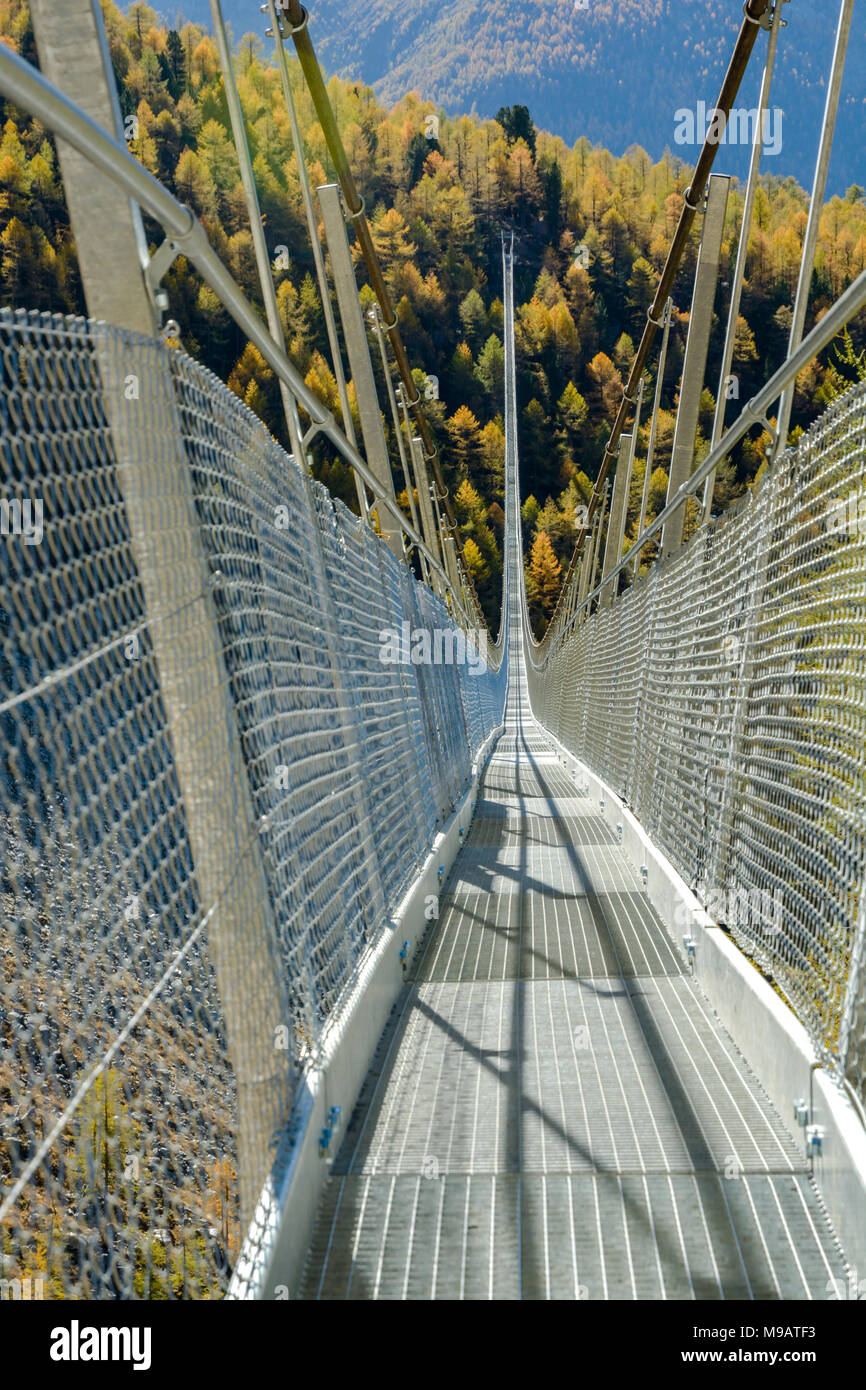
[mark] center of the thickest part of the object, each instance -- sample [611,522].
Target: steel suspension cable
[753,15]
[28,89]
[297,16]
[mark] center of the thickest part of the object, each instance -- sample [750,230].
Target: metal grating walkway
[554,1110]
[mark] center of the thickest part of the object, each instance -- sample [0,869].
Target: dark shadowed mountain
[616,71]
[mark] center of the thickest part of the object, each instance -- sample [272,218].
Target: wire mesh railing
[723,697]
[172,949]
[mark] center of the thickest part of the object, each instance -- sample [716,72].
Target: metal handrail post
[616,522]
[347,715]
[697,347]
[819,186]
[419,472]
[602,513]
[586,567]
[651,447]
[357,347]
[375,316]
[155,484]
[254,212]
[753,15]
[110,243]
[638,411]
[313,229]
[743,249]
[425,502]
[297,17]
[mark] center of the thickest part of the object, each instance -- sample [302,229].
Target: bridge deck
[554,1110]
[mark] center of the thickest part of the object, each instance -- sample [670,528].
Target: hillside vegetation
[615,71]
[591,235]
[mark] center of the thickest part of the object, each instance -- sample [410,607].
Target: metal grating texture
[171,948]
[724,698]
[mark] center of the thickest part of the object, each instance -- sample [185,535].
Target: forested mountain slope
[592,232]
[615,71]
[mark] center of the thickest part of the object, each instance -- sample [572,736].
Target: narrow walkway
[554,1110]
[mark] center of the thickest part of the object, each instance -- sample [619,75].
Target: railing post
[654,421]
[635,782]
[597,551]
[360,364]
[313,230]
[211,768]
[257,231]
[156,484]
[695,363]
[743,251]
[816,208]
[616,523]
[109,233]
[425,501]
[375,317]
[635,431]
[348,716]
[449,550]
[588,561]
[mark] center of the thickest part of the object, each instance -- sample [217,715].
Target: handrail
[752,413]
[27,88]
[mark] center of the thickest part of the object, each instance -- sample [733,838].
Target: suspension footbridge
[555,1109]
[332,974]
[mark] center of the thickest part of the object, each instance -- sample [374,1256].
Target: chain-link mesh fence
[724,698]
[224,756]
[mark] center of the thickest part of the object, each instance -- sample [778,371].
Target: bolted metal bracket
[159,264]
[758,417]
[285,27]
[766,20]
